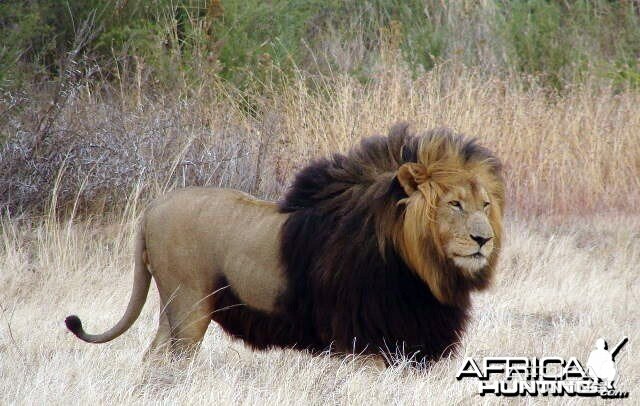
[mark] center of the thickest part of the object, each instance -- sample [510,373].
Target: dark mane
[349,289]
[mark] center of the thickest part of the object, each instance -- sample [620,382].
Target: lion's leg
[189,319]
[162,340]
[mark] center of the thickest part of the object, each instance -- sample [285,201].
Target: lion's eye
[456,204]
[486,204]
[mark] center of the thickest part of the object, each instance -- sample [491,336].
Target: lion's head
[451,230]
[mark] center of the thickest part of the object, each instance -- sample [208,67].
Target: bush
[95,153]
[187,42]
[562,41]
[38,36]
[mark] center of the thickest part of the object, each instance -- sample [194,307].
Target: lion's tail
[141,282]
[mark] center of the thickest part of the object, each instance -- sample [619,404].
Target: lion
[371,252]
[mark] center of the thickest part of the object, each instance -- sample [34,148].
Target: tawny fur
[190,239]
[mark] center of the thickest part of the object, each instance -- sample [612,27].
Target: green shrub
[37,37]
[187,42]
[562,41]
[25,36]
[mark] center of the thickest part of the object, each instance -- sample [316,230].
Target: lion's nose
[479,239]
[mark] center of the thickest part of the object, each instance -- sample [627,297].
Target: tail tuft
[74,324]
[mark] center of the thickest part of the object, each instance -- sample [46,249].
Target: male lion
[370,252]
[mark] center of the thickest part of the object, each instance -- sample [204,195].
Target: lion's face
[451,229]
[464,228]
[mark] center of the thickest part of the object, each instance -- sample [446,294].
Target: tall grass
[577,152]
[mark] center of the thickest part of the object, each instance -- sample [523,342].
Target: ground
[562,282]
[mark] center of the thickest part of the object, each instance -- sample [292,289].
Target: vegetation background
[105,104]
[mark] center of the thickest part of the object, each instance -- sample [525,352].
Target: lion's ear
[410,175]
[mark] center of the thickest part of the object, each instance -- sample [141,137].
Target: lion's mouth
[475,255]
[471,263]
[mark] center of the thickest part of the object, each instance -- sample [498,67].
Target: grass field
[561,284]
[568,272]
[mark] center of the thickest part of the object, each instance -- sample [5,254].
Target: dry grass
[565,278]
[575,153]
[561,284]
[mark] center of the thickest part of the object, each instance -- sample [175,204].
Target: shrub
[186,42]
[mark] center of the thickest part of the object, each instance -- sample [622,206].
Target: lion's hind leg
[162,341]
[188,321]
